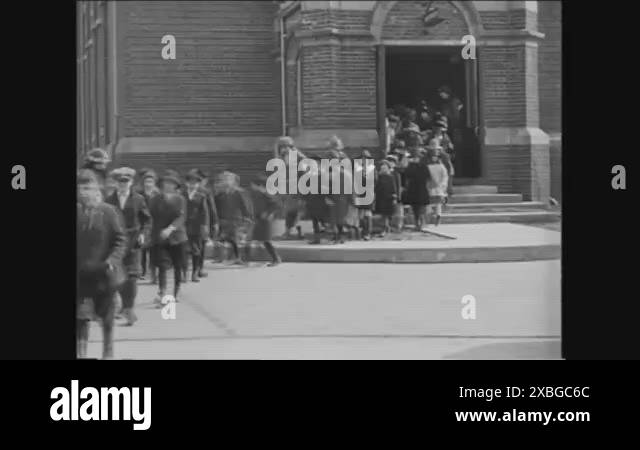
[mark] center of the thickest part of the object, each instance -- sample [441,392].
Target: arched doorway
[420,49]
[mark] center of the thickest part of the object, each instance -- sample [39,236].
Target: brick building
[247,71]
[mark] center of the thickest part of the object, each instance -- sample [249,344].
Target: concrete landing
[455,243]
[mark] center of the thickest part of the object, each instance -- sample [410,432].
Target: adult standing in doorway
[451,107]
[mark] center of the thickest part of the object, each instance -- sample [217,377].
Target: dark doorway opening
[413,74]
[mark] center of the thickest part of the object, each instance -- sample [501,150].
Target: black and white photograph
[319,180]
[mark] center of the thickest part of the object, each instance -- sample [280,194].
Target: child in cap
[197,221]
[148,190]
[137,223]
[168,234]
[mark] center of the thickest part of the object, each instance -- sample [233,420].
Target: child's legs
[105,309]
[128,291]
[291,219]
[417,215]
[195,243]
[177,254]
[271,250]
[143,260]
[316,225]
[82,337]
[387,223]
[162,261]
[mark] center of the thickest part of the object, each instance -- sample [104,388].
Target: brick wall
[550,85]
[555,159]
[292,95]
[517,19]
[550,66]
[342,20]
[225,80]
[245,164]
[405,21]
[319,103]
[356,87]
[519,168]
[509,97]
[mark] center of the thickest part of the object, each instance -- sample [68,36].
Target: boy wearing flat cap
[101,245]
[168,234]
[197,221]
[148,190]
[137,223]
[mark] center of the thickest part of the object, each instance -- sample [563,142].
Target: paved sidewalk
[494,242]
[354,311]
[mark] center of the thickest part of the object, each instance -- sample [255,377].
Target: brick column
[516,150]
[338,77]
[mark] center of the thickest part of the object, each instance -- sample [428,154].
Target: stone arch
[468,10]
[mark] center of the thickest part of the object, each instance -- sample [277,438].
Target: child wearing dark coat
[317,207]
[148,190]
[168,234]
[265,206]
[197,221]
[101,246]
[137,223]
[386,195]
[234,211]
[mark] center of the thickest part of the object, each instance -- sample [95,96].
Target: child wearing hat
[437,182]
[265,206]
[101,246]
[445,152]
[97,161]
[137,224]
[168,233]
[386,194]
[197,221]
[148,190]
[287,150]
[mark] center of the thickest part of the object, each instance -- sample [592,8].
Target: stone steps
[493,207]
[508,216]
[485,198]
[475,189]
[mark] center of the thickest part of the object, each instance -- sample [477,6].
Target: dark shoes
[274,263]
[195,278]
